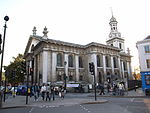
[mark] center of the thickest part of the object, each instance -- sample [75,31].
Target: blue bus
[146,82]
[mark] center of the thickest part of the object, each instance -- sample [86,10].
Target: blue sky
[76,21]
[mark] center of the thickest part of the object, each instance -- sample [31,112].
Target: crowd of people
[114,88]
[45,91]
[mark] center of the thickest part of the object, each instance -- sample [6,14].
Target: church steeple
[114,30]
[115,38]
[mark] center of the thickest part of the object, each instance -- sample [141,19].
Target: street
[114,105]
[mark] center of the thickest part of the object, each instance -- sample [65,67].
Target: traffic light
[23,66]
[92,68]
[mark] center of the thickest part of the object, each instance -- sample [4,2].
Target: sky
[75,21]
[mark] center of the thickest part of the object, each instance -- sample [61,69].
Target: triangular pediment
[33,41]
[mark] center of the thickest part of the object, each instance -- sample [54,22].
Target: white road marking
[31,110]
[85,109]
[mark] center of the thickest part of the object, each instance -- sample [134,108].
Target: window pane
[147,79]
[70,61]
[59,59]
[148,63]
[98,61]
[80,62]
[147,49]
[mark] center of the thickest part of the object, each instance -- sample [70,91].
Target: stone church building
[50,59]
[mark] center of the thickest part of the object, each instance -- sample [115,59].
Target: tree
[16,70]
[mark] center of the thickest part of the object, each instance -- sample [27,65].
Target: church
[51,59]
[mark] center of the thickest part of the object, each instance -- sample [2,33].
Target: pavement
[69,100]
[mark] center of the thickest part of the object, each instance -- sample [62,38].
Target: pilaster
[54,57]
[45,66]
[77,67]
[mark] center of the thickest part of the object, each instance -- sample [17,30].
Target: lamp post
[6,18]
[65,77]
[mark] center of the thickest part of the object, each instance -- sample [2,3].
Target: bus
[146,82]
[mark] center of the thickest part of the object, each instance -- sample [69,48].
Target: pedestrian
[121,89]
[62,93]
[108,88]
[35,91]
[101,90]
[48,92]
[43,91]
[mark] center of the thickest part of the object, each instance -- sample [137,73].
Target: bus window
[147,79]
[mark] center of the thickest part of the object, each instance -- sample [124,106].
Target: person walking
[43,91]
[101,90]
[121,89]
[62,93]
[48,92]
[35,91]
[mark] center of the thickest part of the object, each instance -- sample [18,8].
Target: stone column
[104,66]
[45,66]
[122,69]
[112,65]
[77,67]
[54,58]
[129,69]
[66,67]
[119,66]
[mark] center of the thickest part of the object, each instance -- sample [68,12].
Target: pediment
[32,42]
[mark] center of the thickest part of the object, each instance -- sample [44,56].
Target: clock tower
[115,38]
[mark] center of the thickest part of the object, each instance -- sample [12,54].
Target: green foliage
[16,70]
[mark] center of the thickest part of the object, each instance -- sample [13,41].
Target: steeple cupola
[114,31]
[115,38]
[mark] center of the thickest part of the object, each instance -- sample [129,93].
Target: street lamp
[65,77]
[6,18]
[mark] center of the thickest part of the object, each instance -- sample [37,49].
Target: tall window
[125,65]
[98,61]
[80,62]
[70,61]
[59,59]
[115,62]
[80,78]
[148,63]
[147,49]
[70,78]
[120,45]
[107,61]
[59,78]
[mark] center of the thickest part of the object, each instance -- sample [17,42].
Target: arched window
[59,60]
[98,61]
[80,62]
[70,61]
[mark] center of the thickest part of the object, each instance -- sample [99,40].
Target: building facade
[51,59]
[143,47]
